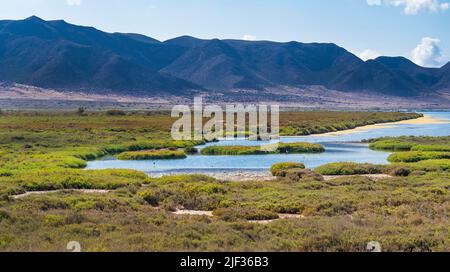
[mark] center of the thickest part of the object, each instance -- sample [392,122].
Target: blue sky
[417,29]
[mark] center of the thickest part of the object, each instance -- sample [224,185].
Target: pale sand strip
[370,176]
[263,222]
[191,212]
[282,216]
[426,120]
[84,191]
[243,176]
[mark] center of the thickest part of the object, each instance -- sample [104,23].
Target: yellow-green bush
[402,213]
[233,214]
[440,148]
[42,180]
[430,165]
[261,150]
[349,168]
[391,145]
[415,156]
[297,175]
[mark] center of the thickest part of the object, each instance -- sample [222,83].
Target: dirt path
[425,120]
[370,176]
[191,212]
[84,191]
[263,222]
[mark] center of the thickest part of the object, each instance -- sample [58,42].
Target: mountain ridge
[56,54]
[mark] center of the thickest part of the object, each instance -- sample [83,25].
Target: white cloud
[412,7]
[445,6]
[73,2]
[374,2]
[428,53]
[368,54]
[249,38]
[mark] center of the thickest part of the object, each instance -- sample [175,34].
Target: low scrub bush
[415,156]
[398,171]
[300,148]
[411,143]
[440,148]
[233,150]
[276,168]
[152,155]
[391,145]
[350,168]
[234,214]
[79,179]
[182,179]
[153,196]
[430,165]
[116,113]
[4,215]
[152,145]
[261,150]
[297,175]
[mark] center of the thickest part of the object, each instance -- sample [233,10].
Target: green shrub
[350,168]
[4,215]
[411,143]
[391,145]
[116,113]
[431,165]
[233,150]
[182,179]
[152,196]
[191,150]
[152,155]
[261,150]
[415,156]
[81,111]
[398,171]
[151,145]
[54,220]
[234,214]
[300,148]
[297,175]
[284,166]
[440,148]
[44,180]
[72,162]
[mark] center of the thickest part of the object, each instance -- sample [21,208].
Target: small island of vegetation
[45,152]
[282,148]
[279,167]
[164,154]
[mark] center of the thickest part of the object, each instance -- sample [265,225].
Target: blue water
[339,147]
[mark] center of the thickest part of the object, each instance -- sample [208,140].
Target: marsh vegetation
[282,148]
[43,152]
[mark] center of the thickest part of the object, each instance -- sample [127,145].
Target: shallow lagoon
[339,147]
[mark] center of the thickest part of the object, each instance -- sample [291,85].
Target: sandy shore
[240,176]
[426,120]
[243,176]
[232,176]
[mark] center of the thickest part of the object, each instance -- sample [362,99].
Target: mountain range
[63,56]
